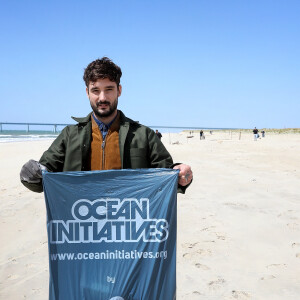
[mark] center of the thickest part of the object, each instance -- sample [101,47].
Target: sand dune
[238,223]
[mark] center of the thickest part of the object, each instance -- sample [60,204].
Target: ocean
[11,136]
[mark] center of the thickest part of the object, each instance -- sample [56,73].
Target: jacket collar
[83,120]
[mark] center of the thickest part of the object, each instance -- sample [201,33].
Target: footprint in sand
[216,284]
[37,291]
[240,295]
[208,228]
[220,236]
[12,277]
[293,226]
[276,266]
[211,241]
[296,246]
[289,215]
[203,267]
[196,254]
[236,205]
[196,293]
[267,277]
[189,245]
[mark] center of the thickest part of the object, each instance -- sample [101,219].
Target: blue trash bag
[112,234]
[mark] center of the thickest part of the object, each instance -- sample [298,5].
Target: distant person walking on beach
[255,132]
[263,133]
[105,139]
[202,137]
[158,134]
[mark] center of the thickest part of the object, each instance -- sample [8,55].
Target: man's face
[103,95]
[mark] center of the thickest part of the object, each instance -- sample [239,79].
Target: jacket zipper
[103,153]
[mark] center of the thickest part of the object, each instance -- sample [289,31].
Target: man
[202,137]
[158,134]
[255,132]
[105,139]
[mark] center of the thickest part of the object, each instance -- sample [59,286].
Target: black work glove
[31,172]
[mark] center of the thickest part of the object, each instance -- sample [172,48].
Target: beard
[111,109]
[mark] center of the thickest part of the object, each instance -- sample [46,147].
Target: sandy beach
[238,223]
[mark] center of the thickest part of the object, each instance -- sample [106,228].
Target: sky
[212,63]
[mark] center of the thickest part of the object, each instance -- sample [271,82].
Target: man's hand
[185,174]
[31,172]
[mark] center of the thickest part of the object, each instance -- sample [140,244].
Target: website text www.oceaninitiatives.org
[117,254]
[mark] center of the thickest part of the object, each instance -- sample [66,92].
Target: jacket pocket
[138,158]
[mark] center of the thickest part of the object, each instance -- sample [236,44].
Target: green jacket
[139,148]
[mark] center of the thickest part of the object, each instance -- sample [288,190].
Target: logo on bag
[109,220]
[111,279]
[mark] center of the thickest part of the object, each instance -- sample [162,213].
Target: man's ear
[87,91]
[119,90]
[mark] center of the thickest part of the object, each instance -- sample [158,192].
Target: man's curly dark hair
[100,69]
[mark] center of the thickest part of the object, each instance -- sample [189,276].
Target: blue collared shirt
[103,127]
